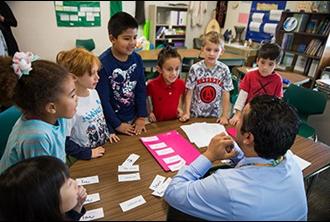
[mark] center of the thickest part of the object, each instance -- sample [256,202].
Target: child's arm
[113,138]
[238,107]
[140,126]
[223,119]
[180,107]
[152,117]
[73,149]
[188,97]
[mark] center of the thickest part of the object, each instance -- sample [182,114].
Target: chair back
[235,91]
[88,44]
[8,119]
[306,101]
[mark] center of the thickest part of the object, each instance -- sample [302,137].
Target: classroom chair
[307,102]
[8,119]
[88,44]
[235,91]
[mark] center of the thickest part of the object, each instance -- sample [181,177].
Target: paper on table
[162,188]
[133,168]
[91,198]
[131,160]
[202,133]
[132,203]
[128,177]
[301,162]
[87,180]
[158,180]
[93,214]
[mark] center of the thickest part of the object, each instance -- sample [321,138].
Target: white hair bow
[22,63]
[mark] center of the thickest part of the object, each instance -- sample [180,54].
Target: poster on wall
[78,13]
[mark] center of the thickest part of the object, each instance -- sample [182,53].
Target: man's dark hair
[119,22]
[274,125]
[270,51]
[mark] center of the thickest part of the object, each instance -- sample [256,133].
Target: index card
[162,188]
[149,139]
[133,168]
[93,214]
[131,160]
[91,198]
[164,151]
[172,159]
[158,145]
[128,177]
[132,203]
[87,180]
[158,180]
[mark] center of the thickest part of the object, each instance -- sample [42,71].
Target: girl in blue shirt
[45,92]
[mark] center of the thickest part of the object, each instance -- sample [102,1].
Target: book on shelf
[313,68]
[311,26]
[160,32]
[300,64]
[301,48]
[323,27]
[286,61]
[287,41]
[302,20]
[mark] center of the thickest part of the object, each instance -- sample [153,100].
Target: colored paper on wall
[243,18]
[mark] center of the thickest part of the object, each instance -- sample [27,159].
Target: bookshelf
[168,25]
[306,49]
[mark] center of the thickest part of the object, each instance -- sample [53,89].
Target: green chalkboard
[77,13]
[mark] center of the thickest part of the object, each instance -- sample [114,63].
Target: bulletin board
[261,19]
[78,13]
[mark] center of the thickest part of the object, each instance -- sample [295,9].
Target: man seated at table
[267,184]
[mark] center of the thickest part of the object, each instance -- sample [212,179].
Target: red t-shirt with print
[255,84]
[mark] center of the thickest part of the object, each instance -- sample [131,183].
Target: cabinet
[168,25]
[306,45]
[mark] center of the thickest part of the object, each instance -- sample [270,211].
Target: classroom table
[294,78]
[149,57]
[113,192]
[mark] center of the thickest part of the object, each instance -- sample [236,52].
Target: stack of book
[314,47]
[324,27]
[323,85]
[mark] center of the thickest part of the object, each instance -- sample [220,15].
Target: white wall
[37,30]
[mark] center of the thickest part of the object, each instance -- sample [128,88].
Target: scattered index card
[131,160]
[91,198]
[87,180]
[162,188]
[128,177]
[133,168]
[158,180]
[93,214]
[132,203]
